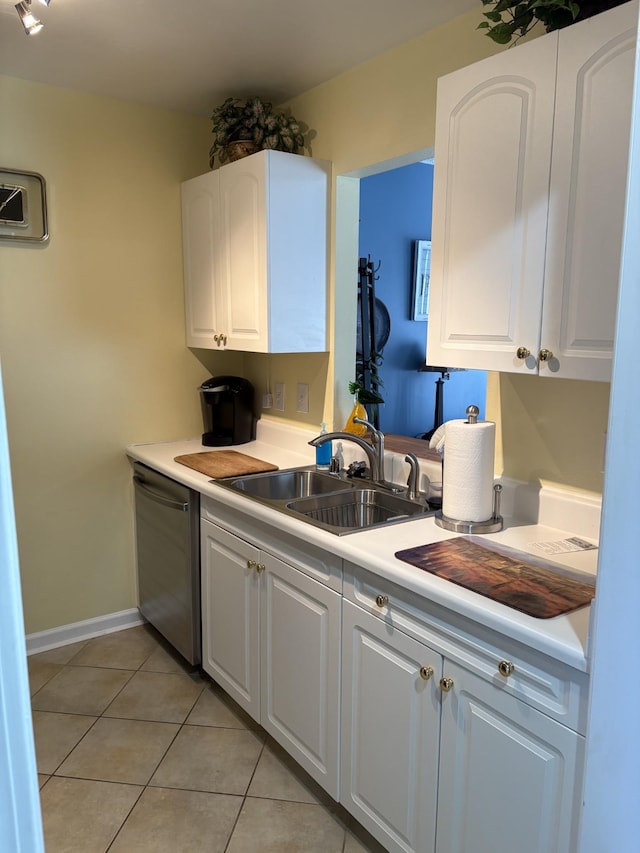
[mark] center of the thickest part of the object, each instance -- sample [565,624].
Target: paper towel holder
[491,525]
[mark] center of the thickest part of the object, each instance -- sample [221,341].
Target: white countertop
[564,638]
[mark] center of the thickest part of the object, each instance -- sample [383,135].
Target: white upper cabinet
[530,181]
[255,254]
[200,225]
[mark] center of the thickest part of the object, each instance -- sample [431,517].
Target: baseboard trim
[75,632]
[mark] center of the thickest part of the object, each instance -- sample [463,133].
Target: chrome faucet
[377,441]
[347,436]
[374,451]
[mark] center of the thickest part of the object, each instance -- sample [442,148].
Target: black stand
[438,414]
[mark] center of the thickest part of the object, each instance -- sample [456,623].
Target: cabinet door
[390,732]
[494,126]
[243,283]
[509,776]
[588,188]
[200,200]
[300,645]
[231,615]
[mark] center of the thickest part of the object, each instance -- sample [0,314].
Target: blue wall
[395,210]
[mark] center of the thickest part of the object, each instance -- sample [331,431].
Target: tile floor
[138,754]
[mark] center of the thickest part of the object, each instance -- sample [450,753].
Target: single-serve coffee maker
[227,411]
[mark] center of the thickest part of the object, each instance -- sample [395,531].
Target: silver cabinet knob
[382,600]
[505,667]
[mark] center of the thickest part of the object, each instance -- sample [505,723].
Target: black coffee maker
[227,411]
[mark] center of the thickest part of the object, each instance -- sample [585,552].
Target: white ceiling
[189,55]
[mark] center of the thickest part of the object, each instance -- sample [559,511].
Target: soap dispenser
[323,452]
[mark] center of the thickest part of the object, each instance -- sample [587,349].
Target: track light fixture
[45,2]
[29,21]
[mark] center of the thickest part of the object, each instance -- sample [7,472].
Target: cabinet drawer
[552,687]
[313,561]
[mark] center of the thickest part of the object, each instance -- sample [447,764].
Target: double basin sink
[328,500]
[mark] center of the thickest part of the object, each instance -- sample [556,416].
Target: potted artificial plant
[510,20]
[244,126]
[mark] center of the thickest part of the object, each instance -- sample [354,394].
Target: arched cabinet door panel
[589,183]
[493,153]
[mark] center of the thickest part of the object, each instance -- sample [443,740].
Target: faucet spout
[377,440]
[371,452]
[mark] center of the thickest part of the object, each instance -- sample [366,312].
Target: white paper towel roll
[467,475]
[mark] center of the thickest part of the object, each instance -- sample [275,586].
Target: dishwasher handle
[183,506]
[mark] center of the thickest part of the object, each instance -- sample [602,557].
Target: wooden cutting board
[540,591]
[224,463]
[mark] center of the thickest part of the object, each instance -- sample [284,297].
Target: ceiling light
[45,2]
[30,23]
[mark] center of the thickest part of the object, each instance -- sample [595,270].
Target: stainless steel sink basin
[289,484]
[358,509]
[326,500]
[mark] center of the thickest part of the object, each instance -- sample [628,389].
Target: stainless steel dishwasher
[168,549]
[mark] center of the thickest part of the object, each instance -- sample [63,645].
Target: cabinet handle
[545,355]
[251,564]
[426,672]
[522,353]
[446,684]
[505,667]
[216,338]
[260,567]
[223,340]
[382,600]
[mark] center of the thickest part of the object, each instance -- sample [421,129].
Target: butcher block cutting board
[224,463]
[540,590]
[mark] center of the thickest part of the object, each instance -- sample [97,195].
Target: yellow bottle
[358,411]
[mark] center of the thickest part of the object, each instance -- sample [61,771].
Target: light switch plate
[278,402]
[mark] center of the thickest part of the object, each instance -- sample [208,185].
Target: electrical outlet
[267,401]
[302,398]
[278,403]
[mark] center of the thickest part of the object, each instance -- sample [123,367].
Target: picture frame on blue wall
[421,273]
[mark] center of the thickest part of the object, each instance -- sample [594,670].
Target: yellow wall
[92,325]
[92,335]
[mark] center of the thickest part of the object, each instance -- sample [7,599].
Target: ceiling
[189,56]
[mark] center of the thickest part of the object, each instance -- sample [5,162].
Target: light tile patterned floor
[138,754]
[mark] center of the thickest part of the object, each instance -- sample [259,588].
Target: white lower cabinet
[509,776]
[390,732]
[437,757]
[271,639]
[231,615]
[437,734]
